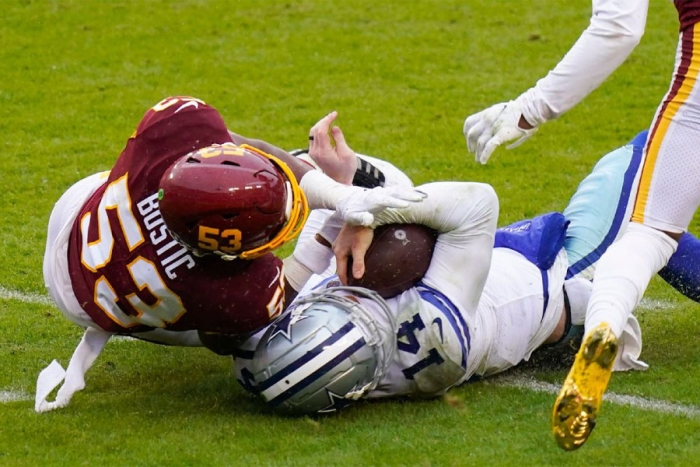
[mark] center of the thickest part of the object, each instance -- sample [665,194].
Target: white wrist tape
[313,256]
[322,191]
[295,273]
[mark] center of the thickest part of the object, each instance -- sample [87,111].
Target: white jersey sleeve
[465,215]
[392,175]
[437,318]
[615,29]
[308,252]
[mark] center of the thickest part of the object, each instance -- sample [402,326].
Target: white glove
[490,128]
[360,206]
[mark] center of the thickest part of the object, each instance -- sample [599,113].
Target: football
[397,259]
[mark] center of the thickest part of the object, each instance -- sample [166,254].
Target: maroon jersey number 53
[130,275]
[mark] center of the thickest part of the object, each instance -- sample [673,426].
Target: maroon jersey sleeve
[688,13]
[130,275]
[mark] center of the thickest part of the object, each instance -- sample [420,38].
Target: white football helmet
[325,352]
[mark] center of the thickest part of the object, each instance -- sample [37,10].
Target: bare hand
[338,162]
[353,241]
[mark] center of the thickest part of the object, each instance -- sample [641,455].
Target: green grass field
[75,79]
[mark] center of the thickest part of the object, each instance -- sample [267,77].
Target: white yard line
[516,381]
[118,338]
[41,299]
[652,405]
[36,298]
[13,396]
[649,304]
[512,381]
[9,395]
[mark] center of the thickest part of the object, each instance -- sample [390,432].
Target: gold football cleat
[578,403]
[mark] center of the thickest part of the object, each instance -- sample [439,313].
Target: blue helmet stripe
[308,356]
[325,368]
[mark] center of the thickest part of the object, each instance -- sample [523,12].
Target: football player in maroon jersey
[113,266]
[665,201]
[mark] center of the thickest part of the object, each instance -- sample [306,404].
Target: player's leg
[667,197]
[683,269]
[600,209]
[57,280]
[55,268]
[599,212]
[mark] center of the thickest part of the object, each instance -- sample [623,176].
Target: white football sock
[623,273]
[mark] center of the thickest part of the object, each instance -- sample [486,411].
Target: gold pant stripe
[683,83]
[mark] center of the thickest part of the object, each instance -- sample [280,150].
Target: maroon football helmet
[233,201]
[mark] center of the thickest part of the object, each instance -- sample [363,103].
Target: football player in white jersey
[534,292]
[479,310]
[666,198]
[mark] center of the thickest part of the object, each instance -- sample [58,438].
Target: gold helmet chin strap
[296,215]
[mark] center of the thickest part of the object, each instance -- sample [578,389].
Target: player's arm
[615,29]
[356,205]
[299,168]
[465,216]
[313,256]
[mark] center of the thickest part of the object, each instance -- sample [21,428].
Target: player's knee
[653,235]
[674,235]
[488,199]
